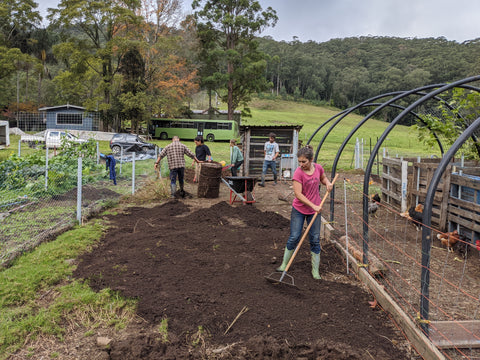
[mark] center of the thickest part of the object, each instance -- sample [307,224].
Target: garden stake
[272,277]
[243,311]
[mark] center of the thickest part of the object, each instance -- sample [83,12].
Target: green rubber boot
[173,190]
[286,258]
[315,266]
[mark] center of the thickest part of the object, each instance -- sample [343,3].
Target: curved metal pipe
[383,137]
[399,95]
[345,113]
[380,141]
[350,135]
[427,220]
[354,130]
[325,123]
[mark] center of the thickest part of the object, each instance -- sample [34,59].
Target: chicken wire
[47,204]
[396,246]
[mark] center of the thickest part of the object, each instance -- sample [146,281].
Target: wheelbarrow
[241,188]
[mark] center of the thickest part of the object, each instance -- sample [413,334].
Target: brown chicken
[449,239]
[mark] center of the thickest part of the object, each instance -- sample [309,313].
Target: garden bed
[197,268]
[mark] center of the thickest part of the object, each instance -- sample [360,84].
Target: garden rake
[274,277]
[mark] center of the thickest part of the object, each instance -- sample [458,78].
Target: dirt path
[199,262]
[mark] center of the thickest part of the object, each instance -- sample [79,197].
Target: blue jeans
[296,225]
[269,164]
[177,172]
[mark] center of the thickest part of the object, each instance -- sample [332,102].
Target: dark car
[129,143]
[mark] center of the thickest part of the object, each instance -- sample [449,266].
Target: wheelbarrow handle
[308,228]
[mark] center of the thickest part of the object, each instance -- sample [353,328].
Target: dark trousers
[180,172]
[235,167]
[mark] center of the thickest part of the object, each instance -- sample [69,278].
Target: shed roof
[244,127]
[67,106]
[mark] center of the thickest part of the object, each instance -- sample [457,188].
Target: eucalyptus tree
[99,33]
[229,28]
[18,18]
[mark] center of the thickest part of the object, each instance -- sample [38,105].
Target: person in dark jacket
[110,164]
[202,152]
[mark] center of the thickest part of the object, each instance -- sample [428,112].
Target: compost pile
[200,269]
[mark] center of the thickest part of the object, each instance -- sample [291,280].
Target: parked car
[51,139]
[129,143]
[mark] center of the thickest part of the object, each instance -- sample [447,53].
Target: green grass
[46,272]
[402,141]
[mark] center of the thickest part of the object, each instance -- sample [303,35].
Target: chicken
[415,215]
[373,205]
[449,239]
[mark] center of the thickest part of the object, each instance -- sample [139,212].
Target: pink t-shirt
[310,188]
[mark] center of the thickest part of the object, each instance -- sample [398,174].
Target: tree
[461,112]
[168,47]
[18,18]
[231,27]
[105,26]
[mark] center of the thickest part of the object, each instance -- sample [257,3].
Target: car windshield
[70,136]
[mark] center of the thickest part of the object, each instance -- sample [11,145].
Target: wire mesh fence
[43,194]
[395,256]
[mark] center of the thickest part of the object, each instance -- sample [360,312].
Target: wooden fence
[456,203]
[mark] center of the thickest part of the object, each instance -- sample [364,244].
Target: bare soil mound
[199,269]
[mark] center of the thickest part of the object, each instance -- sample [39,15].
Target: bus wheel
[211,137]
[163,136]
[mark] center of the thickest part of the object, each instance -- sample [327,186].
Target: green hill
[402,141]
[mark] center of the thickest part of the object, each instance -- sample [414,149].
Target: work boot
[315,266]
[173,190]
[274,179]
[286,258]
[262,182]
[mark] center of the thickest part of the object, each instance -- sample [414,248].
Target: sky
[322,20]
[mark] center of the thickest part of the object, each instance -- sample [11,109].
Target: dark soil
[199,267]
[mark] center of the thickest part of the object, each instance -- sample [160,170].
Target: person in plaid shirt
[176,163]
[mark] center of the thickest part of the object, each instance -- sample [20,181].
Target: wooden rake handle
[308,227]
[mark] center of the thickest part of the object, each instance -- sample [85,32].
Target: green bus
[211,130]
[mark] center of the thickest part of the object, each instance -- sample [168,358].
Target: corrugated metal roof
[271,126]
[67,106]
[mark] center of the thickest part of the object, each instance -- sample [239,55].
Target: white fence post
[133,172]
[79,191]
[361,153]
[357,151]
[46,168]
[98,154]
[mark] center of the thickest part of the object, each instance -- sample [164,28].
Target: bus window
[211,125]
[224,126]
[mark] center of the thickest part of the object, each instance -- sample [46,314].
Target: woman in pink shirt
[306,186]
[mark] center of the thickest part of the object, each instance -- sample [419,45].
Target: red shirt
[310,188]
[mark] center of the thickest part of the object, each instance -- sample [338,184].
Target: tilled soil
[203,269]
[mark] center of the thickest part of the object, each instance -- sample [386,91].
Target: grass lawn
[402,141]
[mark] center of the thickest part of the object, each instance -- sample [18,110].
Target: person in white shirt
[271,152]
